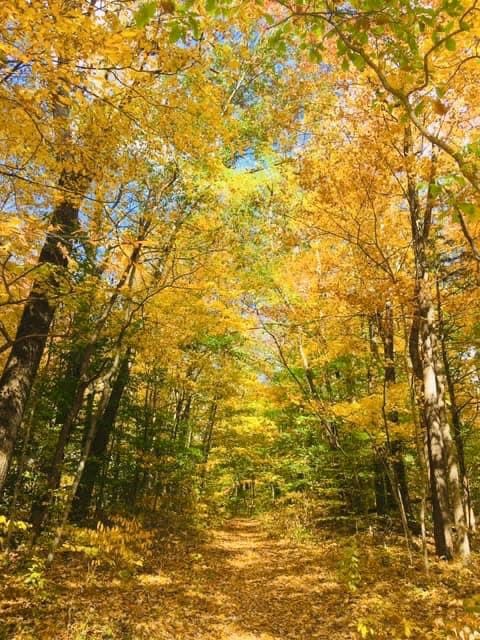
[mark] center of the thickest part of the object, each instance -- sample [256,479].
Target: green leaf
[318,27]
[459,180]
[341,46]
[449,26]
[453,7]
[145,13]
[176,32]
[435,189]
[420,108]
[450,44]
[195,27]
[358,61]
[362,37]
[314,55]
[467,207]
[210,6]
[373,5]
[277,42]
[281,47]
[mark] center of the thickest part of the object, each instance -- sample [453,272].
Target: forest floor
[242,584]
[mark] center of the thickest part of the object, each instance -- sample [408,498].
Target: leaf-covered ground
[243,584]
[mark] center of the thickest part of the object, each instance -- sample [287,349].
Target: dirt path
[244,586]
[256,588]
[241,585]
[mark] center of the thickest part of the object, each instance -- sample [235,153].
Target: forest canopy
[239,278]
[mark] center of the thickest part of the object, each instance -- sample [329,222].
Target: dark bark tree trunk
[185,419]
[207,440]
[393,461]
[105,393]
[384,501]
[40,507]
[32,332]
[208,435]
[106,422]
[53,471]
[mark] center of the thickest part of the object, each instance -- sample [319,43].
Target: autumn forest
[239,319]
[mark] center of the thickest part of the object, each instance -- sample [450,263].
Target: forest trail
[240,584]
[250,587]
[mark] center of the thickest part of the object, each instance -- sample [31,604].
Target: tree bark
[104,394]
[455,417]
[444,476]
[392,459]
[32,331]
[40,508]
[53,470]
[84,492]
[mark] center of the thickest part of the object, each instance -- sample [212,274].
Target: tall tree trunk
[12,512]
[184,424]
[106,422]
[455,416]
[444,475]
[393,459]
[462,542]
[104,395]
[32,332]
[207,440]
[53,470]
[40,508]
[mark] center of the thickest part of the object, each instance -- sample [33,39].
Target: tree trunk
[207,440]
[455,417]
[81,466]
[32,332]
[444,476]
[400,473]
[396,476]
[54,469]
[40,509]
[384,501]
[83,495]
